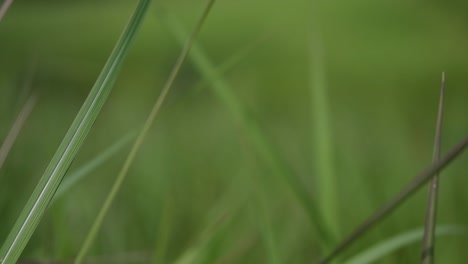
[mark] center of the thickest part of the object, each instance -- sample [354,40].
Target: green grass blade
[73,178]
[397,200]
[141,136]
[61,161]
[386,247]
[257,137]
[164,230]
[322,136]
[427,254]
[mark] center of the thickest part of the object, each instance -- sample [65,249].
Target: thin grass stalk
[141,136]
[322,147]
[165,227]
[427,254]
[76,176]
[16,128]
[61,161]
[390,245]
[397,200]
[265,150]
[4,8]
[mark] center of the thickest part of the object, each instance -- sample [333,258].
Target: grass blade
[16,128]
[427,255]
[322,142]
[61,161]
[264,148]
[386,247]
[141,136]
[397,200]
[6,4]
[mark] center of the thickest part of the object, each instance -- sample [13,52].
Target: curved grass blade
[262,145]
[61,161]
[397,200]
[427,254]
[141,136]
[386,247]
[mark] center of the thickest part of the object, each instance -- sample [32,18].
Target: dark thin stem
[397,200]
[4,8]
[16,128]
[427,254]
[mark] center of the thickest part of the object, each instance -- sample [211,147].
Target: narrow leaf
[390,245]
[397,200]
[141,136]
[321,134]
[4,8]
[16,128]
[427,255]
[61,161]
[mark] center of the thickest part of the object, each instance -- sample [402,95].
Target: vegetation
[281,128]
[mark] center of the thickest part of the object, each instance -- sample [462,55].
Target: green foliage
[49,183]
[141,137]
[297,138]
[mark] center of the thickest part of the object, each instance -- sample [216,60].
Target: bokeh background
[382,61]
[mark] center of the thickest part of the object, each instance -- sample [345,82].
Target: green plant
[50,181]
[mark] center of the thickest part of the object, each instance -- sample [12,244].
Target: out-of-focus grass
[383,64]
[96,226]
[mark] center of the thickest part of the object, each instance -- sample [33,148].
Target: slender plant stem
[322,142]
[76,176]
[427,254]
[16,128]
[397,200]
[6,4]
[141,136]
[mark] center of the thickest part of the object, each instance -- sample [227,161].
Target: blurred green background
[198,182]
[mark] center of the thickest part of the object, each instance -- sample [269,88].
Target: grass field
[288,124]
